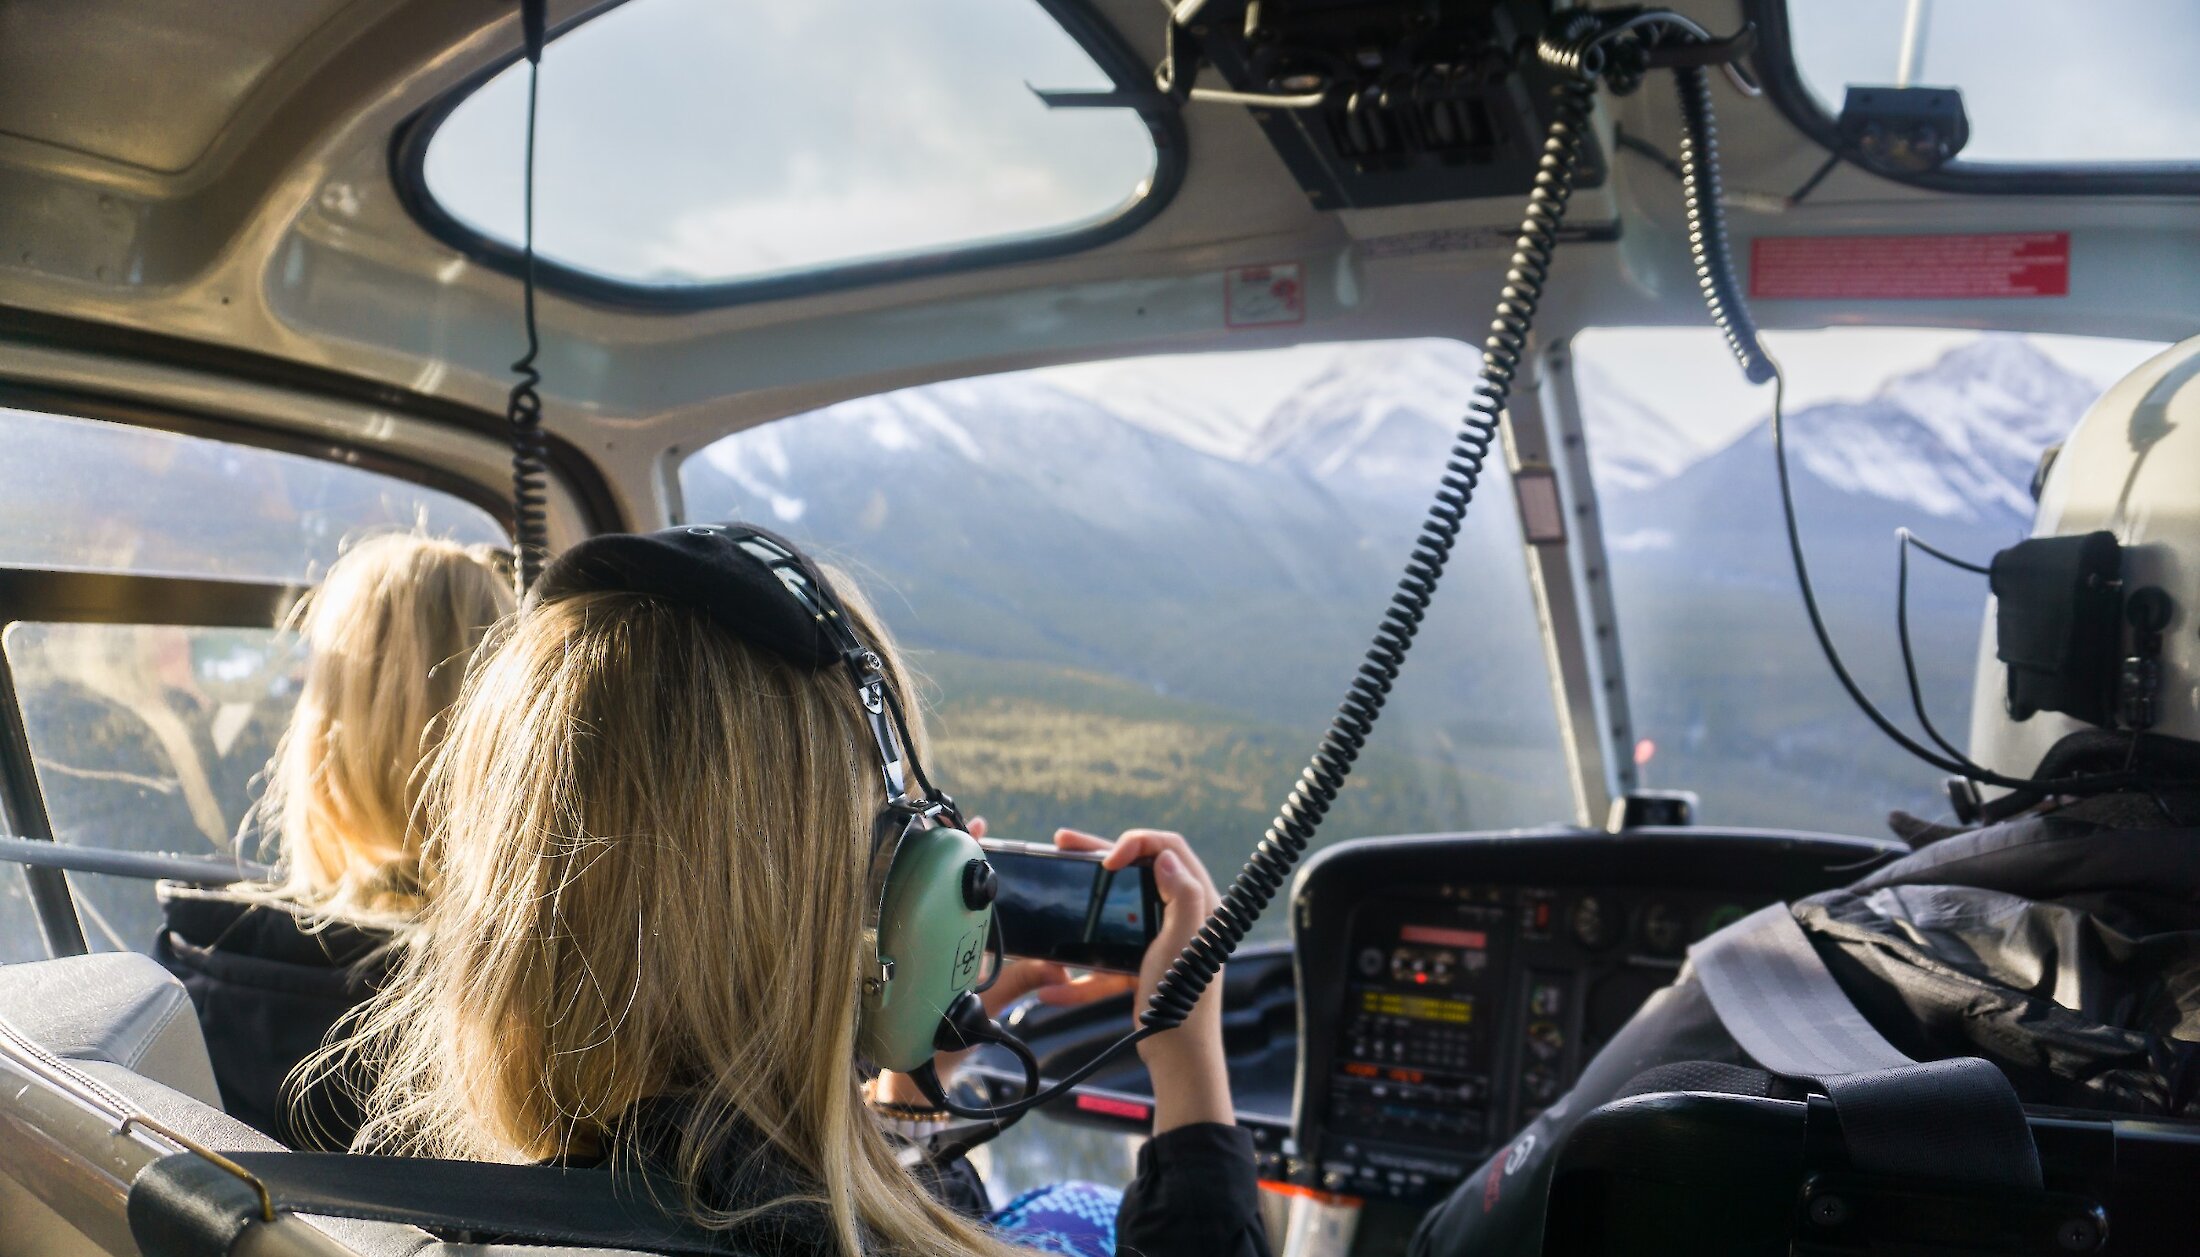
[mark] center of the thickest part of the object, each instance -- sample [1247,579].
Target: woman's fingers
[976,828]
[1020,978]
[1186,898]
[1144,844]
[1086,988]
[1079,840]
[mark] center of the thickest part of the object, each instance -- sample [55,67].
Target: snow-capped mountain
[1958,440]
[1632,445]
[1007,516]
[1373,415]
[1127,529]
[1384,414]
[1948,450]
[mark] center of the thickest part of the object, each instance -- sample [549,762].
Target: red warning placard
[2001,264]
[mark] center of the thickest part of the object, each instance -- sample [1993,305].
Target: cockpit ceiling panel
[146,84]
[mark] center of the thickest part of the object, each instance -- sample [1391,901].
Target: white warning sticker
[1264,296]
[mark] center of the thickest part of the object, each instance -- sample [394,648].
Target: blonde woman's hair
[648,873]
[388,635]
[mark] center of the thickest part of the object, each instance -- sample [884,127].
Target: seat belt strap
[1955,1120]
[187,1206]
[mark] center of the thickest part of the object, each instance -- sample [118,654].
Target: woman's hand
[1191,1083]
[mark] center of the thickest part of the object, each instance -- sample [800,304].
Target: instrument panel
[1451,989]
[1465,1016]
[1439,993]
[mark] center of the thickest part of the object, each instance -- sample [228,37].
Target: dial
[1545,1040]
[1591,921]
[1722,916]
[1664,929]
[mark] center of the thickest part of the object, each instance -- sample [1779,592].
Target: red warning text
[1923,268]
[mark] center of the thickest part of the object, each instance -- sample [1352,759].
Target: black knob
[2149,609]
[981,885]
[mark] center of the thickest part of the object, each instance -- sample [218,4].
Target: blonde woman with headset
[646,931]
[272,967]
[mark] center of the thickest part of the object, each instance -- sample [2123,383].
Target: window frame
[1078,19]
[62,596]
[583,480]
[68,596]
[1783,85]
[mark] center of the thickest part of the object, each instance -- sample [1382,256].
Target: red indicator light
[1109,1106]
[1420,979]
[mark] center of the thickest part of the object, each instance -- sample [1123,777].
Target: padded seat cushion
[118,1007]
[126,1023]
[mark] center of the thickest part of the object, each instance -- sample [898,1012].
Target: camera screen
[1070,910]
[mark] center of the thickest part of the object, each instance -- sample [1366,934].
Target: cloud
[693,140]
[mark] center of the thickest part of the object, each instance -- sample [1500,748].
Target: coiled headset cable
[523,407]
[1585,47]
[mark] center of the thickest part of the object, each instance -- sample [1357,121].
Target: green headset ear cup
[931,942]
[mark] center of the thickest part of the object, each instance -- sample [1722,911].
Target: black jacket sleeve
[1196,1194]
[956,1185]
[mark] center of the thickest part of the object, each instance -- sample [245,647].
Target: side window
[1140,587]
[1936,431]
[152,736]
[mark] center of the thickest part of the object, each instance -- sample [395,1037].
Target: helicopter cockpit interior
[1142,361]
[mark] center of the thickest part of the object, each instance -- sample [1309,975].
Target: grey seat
[126,1024]
[119,1008]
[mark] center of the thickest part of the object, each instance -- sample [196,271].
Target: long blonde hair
[388,635]
[648,873]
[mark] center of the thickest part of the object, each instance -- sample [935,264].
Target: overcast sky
[2042,80]
[1685,373]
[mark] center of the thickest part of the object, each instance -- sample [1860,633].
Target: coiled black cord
[1574,48]
[1584,48]
[523,407]
[1707,239]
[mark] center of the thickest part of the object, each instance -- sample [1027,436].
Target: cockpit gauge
[1591,922]
[1664,929]
[1546,1042]
[1722,916]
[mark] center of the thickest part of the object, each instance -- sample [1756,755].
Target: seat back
[88,1040]
[1694,1173]
[119,1008]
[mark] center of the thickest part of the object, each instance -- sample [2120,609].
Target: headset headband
[761,589]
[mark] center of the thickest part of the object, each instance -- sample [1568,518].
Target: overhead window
[2044,82]
[684,145]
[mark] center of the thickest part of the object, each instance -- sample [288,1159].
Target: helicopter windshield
[1937,431]
[1134,584]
